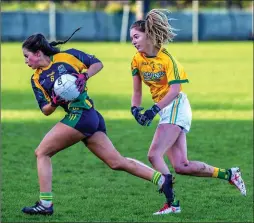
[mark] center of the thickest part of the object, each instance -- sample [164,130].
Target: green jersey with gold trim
[159,72]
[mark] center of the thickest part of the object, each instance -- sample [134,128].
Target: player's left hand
[150,113]
[81,80]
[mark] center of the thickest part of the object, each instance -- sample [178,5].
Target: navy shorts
[85,121]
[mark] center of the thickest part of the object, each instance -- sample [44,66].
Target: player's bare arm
[137,92]
[170,96]
[94,69]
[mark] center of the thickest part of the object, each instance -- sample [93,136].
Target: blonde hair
[156,27]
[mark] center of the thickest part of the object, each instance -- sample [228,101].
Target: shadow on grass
[219,143]
[26,100]
[213,140]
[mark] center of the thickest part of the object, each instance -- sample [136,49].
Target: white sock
[46,204]
[161,181]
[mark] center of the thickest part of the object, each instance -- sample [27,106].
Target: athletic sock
[46,199]
[221,173]
[175,203]
[158,178]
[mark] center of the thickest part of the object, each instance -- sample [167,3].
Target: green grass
[85,190]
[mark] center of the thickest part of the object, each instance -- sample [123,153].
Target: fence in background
[100,26]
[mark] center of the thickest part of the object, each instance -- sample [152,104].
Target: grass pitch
[85,189]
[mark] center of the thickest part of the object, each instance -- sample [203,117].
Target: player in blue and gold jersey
[154,65]
[81,123]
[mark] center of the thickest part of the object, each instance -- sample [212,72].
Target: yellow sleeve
[175,72]
[134,67]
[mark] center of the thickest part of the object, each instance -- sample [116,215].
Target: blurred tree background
[116,6]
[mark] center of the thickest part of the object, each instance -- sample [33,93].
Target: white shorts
[178,112]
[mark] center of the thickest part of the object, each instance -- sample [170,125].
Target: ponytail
[38,42]
[54,43]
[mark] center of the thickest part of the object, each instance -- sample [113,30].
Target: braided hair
[156,26]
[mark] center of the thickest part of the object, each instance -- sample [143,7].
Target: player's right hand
[135,111]
[57,100]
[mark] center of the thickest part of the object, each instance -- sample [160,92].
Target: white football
[66,88]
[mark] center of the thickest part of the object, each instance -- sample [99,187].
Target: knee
[178,169]
[40,153]
[116,164]
[152,157]
[181,168]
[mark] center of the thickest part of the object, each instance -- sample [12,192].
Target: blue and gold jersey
[69,61]
[159,72]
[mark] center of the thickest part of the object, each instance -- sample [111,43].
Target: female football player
[81,123]
[164,75]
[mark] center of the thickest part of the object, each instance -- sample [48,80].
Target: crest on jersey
[61,69]
[154,66]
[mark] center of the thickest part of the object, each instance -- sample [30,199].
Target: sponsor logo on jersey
[149,76]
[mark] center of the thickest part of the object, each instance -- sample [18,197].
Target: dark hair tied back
[54,43]
[38,42]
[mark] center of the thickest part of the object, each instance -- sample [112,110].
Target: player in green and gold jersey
[154,65]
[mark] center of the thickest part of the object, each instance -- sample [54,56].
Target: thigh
[58,138]
[177,154]
[177,113]
[100,145]
[165,136]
